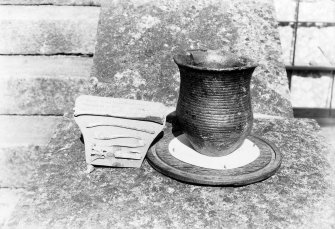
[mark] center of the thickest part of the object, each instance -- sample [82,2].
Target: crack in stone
[51,54]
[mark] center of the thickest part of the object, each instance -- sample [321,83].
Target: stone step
[22,141]
[52,2]
[18,130]
[41,84]
[48,29]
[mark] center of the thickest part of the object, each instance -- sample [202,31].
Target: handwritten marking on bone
[129,155]
[103,136]
[117,152]
[121,142]
[96,157]
[121,126]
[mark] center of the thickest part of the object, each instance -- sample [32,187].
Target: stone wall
[46,55]
[315,46]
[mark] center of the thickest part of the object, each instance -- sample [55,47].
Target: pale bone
[121,142]
[113,149]
[106,136]
[120,108]
[117,152]
[92,125]
[111,117]
[90,168]
[120,154]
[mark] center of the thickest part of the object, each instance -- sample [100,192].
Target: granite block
[56,66]
[300,195]
[137,39]
[48,29]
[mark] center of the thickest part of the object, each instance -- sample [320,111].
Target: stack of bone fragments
[117,132]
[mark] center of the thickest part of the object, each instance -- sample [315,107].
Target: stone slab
[136,42]
[41,84]
[285,9]
[318,11]
[311,90]
[309,42]
[48,29]
[52,2]
[329,132]
[22,140]
[8,200]
[18,130]
[300,195]
[57,66]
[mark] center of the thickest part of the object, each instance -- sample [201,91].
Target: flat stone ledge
[48,29]
[41,84]
[300,195]
[18,130]
[57,66]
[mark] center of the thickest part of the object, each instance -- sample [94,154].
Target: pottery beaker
[214,105]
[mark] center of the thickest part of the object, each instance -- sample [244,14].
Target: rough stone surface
[286,38]
[310,41]
[300,195]
[137,39]
[41,84]
[48,29]
[19,164]
[52,2]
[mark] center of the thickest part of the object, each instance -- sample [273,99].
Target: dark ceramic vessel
[214,105]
